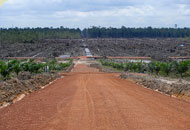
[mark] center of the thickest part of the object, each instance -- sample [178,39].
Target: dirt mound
[25,83]
[175,87]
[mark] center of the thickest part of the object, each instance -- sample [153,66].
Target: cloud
[85,13]
[117,12]
[184,9]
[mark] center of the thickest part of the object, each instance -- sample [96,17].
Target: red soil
[95,101]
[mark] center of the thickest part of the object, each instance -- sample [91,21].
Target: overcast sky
[86,13]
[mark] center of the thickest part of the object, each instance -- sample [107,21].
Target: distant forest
[32,35]
[123,32]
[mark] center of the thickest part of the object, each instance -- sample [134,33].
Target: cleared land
[157,48]
[45,48]
[86,99]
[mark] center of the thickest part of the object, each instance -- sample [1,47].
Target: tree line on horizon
[123,32]
[33,35]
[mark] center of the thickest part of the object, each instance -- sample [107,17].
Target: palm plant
[182,67]
[157,67]
[4,70]
[151,67]
[140,67]
[166,68]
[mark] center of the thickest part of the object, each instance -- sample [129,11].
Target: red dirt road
[95,101]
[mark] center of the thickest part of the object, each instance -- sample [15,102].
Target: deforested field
[43,48]
[156,48]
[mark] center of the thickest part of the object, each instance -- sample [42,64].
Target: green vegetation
[16,66]
[32,35]
[4,70]
[54,66]
[124,32]
[181,68]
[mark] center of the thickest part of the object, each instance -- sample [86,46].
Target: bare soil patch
[84,68]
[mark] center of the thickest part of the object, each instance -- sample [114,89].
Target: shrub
[15,66]
[4,70]
[166,68]
[182,68]
[140,67]
[151,67]
[157,67]
[24,66]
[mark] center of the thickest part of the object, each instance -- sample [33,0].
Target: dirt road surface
[86,99]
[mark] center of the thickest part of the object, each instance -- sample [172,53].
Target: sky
[87,13]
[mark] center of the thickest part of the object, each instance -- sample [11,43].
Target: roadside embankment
[25,83]
[174,87]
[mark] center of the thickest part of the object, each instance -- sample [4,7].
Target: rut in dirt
[86,99]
